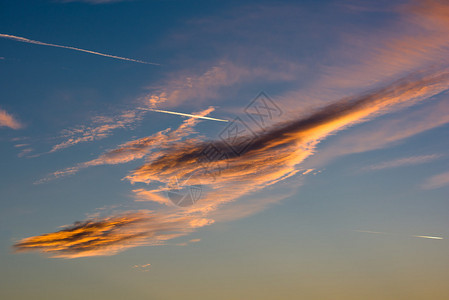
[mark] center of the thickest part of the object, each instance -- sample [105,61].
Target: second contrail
[184,114]
[25,40]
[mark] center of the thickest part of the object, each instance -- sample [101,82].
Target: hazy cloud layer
[272,156]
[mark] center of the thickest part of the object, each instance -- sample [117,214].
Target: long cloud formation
[25,40]
[110,235]
[272,156]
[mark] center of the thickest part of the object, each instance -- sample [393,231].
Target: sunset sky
[167,149]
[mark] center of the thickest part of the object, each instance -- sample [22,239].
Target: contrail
[25,40]
[416,236]
[428,237]
[183,114]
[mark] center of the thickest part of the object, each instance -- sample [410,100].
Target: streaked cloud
[436,181]
[385,133]
[25,40]
[7,120]
[401,162]
[113,234]
[136,149]
[101,128]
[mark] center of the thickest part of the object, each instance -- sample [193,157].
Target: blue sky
[341,193]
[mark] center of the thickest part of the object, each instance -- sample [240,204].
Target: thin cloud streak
[25,40]
[401,162]
[436,181]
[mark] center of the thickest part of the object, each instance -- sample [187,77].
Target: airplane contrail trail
[183,114]
[428,237]
[25,40]
[416,236]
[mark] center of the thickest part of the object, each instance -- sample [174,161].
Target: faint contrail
[416,236]
[25,40]
[183,114]
[428,237]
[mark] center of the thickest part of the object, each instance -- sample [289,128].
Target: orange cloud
[386,133]
[112,234]
[7,120]
[274,155]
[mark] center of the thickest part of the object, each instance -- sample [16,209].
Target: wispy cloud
[401,162]
[436,181]
[25,40]
[7,120]
[136,149]
[185,87]
[101,128]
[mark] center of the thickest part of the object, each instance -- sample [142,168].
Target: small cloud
[308,171]
[7,120]
[402,162]
[436,181]
[24,152]
[189,242]
[143,268]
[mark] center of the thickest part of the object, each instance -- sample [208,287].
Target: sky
[224,149]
